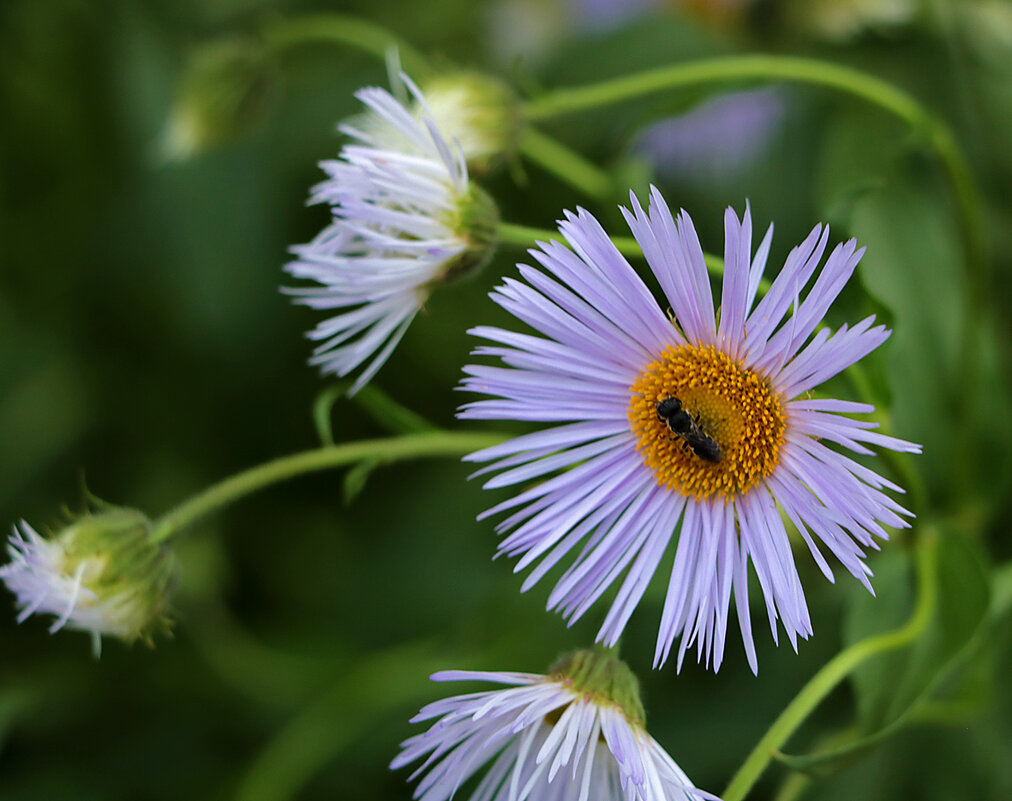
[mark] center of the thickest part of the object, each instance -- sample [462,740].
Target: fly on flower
[576,734]
[617,484]
[406,218]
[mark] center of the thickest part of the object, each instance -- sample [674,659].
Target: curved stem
[568,165]
[381,451]
[845,79]
[835,671]
[285,34]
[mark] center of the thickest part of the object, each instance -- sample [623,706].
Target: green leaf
[860,152]
[390,414]
[892,688]
[356,478]
[912,266]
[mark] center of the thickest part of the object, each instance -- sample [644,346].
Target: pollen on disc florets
[735,406]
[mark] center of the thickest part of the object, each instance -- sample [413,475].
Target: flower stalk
[836,670]
[867,87]
[381,451]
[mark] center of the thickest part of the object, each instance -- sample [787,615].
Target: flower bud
[101,573]
[223,91]
[475,112]
[481,112]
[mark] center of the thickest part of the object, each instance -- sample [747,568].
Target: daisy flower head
[100,574]
[685,422]
[576,734]
[404,221]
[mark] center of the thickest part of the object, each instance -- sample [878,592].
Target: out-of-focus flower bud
[478,112]
[222,93]
[102,573]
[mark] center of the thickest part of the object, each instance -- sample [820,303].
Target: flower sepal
[603,678]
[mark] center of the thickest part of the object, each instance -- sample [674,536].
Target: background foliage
[145,343]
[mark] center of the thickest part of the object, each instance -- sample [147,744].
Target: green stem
[413,446]
[285,34]
[557,159]
[835,671]
[845,79]
[525,236]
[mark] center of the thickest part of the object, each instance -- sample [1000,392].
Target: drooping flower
[844,20]
[102,574]
[576,734]
[404,221]
[617,479]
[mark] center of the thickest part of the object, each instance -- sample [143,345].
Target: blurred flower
[405,219]
[744,441]
[523,31]
[224,90]
[608,14]
[987,25]
[102,573]
[841,20]
[577,733]
[716,138]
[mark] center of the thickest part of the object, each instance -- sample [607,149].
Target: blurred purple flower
[606,14]
[717,137]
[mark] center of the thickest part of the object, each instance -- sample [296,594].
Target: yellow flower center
[731,405]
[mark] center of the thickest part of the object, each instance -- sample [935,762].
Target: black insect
[682,424]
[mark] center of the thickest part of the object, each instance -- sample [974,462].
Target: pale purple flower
[615,483]
[405,218]
[545,740]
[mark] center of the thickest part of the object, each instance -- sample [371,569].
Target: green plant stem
[381,451]
[837,669]
[286,34]
[802,70]
[566,164]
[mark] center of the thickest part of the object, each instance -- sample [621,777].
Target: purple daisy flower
[680,422]
[406,219]
[554,736]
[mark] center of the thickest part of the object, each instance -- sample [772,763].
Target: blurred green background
[147,351]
